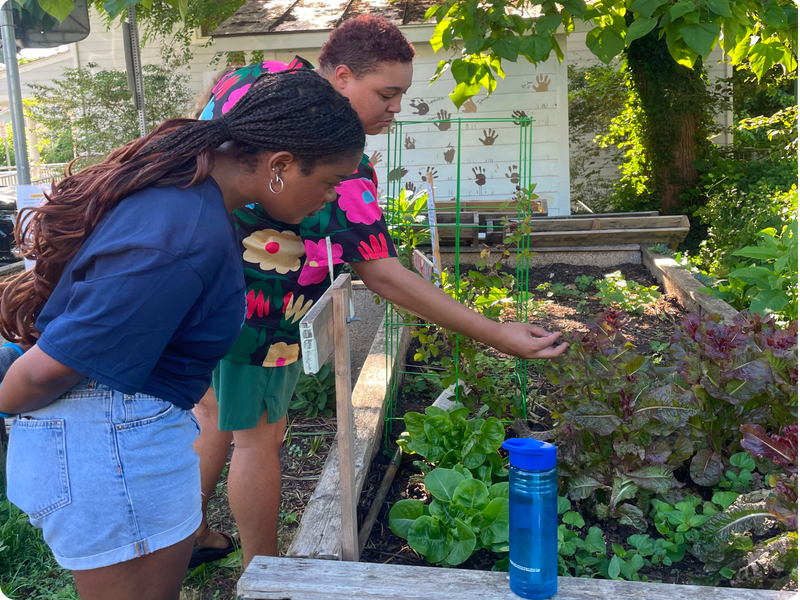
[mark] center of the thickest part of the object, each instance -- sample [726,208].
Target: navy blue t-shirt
[154,298]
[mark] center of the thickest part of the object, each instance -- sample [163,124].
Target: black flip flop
[206,555]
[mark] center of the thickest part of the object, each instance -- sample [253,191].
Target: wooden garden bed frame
[269,578]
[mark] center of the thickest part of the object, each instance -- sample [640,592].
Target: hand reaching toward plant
[524,340]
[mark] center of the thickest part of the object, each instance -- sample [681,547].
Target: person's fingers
[540,333]
[551,352]
[546,341]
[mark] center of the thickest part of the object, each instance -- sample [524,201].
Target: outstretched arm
[390,280]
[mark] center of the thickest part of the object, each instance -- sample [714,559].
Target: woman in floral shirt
[286,270]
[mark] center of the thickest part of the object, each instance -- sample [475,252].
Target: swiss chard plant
[446,438]
[464,516]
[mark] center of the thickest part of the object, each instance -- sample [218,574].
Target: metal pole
[137,70]
[5,143]
[14,94]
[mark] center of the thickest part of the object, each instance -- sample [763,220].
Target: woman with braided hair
[136,294]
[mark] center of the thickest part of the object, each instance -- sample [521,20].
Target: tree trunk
[674,102]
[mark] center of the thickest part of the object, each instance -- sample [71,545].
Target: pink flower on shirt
[315,268]
[357,200]
[234,98]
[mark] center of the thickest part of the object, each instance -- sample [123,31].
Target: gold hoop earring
[272,183]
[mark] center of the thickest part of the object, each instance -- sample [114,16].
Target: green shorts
[244,392]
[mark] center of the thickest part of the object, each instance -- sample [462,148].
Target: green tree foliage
[92,108]
[761,34]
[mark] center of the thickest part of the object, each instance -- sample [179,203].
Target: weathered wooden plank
[320,532]
[602,224]
[269,578]
[680,283]
[345,436]
[316,328]
[610,236]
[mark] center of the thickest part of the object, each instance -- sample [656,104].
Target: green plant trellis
[396,215]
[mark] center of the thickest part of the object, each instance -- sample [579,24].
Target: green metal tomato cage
[397,149]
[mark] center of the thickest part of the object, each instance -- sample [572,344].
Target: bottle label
[526,569]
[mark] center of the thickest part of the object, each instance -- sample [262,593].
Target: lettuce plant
[464,516]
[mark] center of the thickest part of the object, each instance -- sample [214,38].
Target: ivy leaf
[724,499]
[594,542]
[403,514]
[640,28]
[507,48]
[605,43]
[701,37]
[573,518]
[646,8]
[706,467]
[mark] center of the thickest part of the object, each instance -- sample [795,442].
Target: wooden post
[437,256]
[344,419]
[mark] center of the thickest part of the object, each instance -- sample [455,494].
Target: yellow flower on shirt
[274,250]
[294,310]
[281,354]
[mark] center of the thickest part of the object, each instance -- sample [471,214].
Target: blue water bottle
[533,518]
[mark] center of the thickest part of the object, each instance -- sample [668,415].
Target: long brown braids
[295,111]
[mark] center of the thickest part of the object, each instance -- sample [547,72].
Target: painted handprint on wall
[449,154]
[397,174]
[469,106]
[411,187]
[513,174]
[444,125]
[434,174]
[480,175]
[519,114]
[420,106]
[489,136]
[410,143]
[542,83]
[375,158]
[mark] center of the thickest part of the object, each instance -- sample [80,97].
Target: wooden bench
[269,578]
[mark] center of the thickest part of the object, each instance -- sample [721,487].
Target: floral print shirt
[286,266]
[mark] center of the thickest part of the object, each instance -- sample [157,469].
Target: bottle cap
[531,454]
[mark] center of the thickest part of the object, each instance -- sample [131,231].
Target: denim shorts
[107,476]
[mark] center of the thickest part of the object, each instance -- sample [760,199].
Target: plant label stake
[324,332]
[437,256]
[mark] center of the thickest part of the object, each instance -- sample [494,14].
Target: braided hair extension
[294,111]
